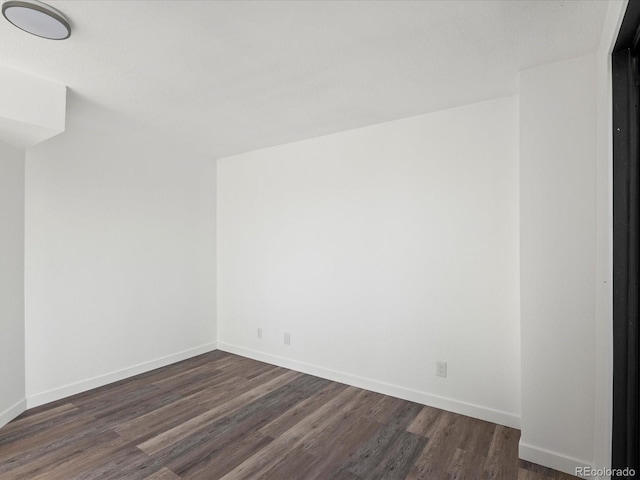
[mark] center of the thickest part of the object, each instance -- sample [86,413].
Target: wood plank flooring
[221,416]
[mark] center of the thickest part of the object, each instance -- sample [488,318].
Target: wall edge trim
[82,386]
[444,403]
[551,459]
[12,412]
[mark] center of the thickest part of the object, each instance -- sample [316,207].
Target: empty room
[330,240]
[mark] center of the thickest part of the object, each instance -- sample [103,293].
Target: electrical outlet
[259,333]
[441,369]
[287,339]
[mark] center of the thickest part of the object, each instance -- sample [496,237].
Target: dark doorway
[626,149]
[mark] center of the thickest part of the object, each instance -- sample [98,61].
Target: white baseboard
[12,412]
[550,459]
[463,408]
[101,380]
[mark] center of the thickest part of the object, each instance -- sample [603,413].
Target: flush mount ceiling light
[37,18]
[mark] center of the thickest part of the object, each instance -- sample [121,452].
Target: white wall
[12,391]
[382,250]
[558,214]
[120,260]
[32,109]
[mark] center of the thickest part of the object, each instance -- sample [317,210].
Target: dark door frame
[625,61]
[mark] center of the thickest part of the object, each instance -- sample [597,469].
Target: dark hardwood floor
[224,416]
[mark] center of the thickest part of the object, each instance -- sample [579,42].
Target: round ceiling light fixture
[37,18]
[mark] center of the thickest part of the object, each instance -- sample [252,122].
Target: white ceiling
[226,77]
